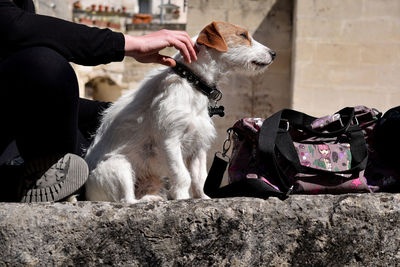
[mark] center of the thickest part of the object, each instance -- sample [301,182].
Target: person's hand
[145,48]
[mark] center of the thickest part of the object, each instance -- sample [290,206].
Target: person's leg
[41,114]
[89,119]
[387,141]
[43,92]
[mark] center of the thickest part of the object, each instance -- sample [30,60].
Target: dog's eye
[244,35]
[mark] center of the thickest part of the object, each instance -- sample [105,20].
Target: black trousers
[40,106]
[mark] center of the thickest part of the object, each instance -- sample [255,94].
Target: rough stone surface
[355,230]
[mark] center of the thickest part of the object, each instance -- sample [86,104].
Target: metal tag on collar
[216,111]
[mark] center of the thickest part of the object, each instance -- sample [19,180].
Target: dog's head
[235,48]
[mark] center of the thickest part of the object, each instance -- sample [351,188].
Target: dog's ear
[211,37]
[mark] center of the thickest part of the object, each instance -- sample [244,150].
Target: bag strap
[303,121]
[274,135]
[266,145]
[243,188]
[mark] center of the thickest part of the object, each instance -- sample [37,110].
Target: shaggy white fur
[163,128]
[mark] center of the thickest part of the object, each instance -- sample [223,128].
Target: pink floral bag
[295,153]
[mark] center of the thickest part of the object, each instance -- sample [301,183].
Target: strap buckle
[289,191]
[225,147]
[215,94]
[287,125]
[355,121]
[227,143]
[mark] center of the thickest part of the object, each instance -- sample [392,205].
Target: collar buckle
[215,94]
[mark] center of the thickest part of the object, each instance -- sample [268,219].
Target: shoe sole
[76,177]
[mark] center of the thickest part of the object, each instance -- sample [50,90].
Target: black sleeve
[77,43]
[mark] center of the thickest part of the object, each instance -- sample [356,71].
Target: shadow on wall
[272,90]
[263,95]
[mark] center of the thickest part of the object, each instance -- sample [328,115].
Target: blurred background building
[330,54]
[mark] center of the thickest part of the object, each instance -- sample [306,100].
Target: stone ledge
[360,230]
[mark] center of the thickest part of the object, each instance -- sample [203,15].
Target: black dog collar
[210,91]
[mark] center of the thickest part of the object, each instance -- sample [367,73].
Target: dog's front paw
[151,198]
[179,194]
[204,196]
[199,194]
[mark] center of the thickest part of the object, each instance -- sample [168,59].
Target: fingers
[157,58]
[181,41]
[167,61]
[183,49]
[189,45]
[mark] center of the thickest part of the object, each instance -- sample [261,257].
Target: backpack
[294,153]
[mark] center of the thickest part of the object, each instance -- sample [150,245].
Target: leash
[210,91]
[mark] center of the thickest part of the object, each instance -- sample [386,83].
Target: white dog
[164,129]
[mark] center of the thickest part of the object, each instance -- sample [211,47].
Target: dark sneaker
[61,180]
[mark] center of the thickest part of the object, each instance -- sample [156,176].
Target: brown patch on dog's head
[221,35]
[211,37]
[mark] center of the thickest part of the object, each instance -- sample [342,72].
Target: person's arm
[77,43]
[82,44]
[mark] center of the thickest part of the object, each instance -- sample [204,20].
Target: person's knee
[42,107]
[53,73]
[40,73]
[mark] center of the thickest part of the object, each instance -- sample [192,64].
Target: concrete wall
[55,8]
[346,53]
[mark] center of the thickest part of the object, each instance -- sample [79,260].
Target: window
[145,6]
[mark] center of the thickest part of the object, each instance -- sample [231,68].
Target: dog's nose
[272,53]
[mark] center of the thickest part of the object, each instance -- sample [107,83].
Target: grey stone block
[324,230]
